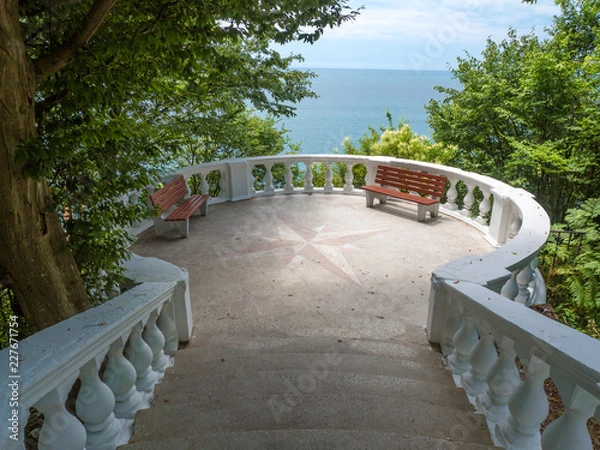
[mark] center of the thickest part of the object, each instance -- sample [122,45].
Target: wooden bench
[174,206]
[424,189]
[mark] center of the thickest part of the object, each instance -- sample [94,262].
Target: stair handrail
[112,355]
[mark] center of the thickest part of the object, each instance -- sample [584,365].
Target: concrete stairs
[308,392]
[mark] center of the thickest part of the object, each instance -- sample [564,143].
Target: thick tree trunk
[33,246]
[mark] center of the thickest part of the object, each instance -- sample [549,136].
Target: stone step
[233,361]
[324,380]
[307,411]
[305,440]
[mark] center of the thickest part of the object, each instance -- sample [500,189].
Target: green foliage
[158,85]
[397,141]
[527,111]
[9,309]
[573,277]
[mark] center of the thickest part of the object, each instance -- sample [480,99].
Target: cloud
[437,31]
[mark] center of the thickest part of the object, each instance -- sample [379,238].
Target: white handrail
[42,369]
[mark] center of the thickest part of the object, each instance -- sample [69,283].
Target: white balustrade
[515,410]
[480,331]
[91,347]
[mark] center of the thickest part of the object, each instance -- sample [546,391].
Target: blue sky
[421,35]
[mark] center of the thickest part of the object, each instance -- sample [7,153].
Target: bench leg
[434,211]
[370,198]
[421,212]
[183,226]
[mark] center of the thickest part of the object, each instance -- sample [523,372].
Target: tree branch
[48,64]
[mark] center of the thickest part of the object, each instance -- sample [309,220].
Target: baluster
[167,326]
[464,341]
[451,196]
[95,405]
[570,430]
[289,178]
[269,188]
[251,181]
[308,177]
[155,339]
[482,358]
[511,289]
[349,179]
[453,323]
[223,184]
[139,353]
[523,279]
[328,188]
[204,187]
[502,380]
[515,226]
[468,201]
[484,208]
[528,408]
[61,430]
[120,376]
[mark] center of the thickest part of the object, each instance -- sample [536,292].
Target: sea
[351,100]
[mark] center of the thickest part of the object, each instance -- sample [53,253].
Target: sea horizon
[352,100]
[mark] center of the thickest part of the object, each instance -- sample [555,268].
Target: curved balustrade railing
[479,330]
[106,361]
[114,354]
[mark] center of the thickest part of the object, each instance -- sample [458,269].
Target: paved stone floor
[319,265]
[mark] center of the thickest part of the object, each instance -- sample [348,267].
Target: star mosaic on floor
[321,246]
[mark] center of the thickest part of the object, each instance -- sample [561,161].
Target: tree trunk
[33,247]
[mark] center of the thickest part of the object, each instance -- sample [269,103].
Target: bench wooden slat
[187,208]
[424,189]
[403,195]
[172,201]
[168,196]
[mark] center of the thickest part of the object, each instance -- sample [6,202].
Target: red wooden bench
[424,189]
[174,206]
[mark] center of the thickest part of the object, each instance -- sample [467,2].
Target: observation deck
[308,321]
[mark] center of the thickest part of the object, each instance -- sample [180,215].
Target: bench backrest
[169,194]
[411,181]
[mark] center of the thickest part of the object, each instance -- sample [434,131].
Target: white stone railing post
[156,341]
[61,430]
[289,178]
[139,353]
[482,358]
[451,195]
[349,179]
[528,408]
[464,341]
[308,177]
[328,187]
[501,215]
[570,430]
[120,377]
[95,405]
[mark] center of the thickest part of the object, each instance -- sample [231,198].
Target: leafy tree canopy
[120,88]
[527,111]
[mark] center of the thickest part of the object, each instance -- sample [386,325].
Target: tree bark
[33,246]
